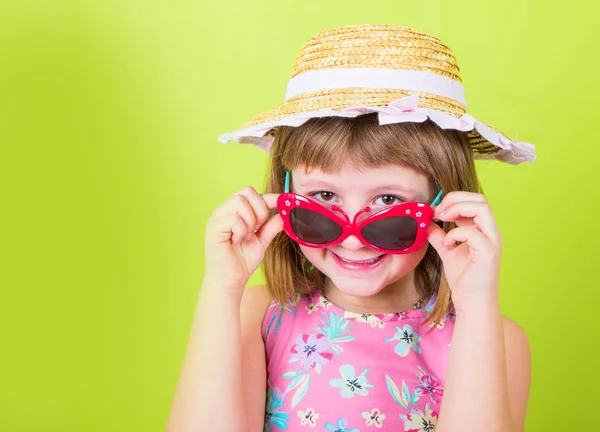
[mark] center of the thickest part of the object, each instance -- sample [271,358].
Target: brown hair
[328,143]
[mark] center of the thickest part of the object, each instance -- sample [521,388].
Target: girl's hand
[233,250]
[473,267]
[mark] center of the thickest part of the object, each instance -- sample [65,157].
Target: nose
[352,243]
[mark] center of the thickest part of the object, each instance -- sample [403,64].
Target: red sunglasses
[397,229]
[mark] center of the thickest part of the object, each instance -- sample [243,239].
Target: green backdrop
[109,118]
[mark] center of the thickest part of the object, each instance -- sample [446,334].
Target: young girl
[380,308]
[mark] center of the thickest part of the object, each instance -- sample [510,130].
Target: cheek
[405,263]
[314,255]
[317,257]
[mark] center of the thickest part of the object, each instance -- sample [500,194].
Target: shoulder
[518,350]
[515,334]
[255,302]
[518,369]
[257,295]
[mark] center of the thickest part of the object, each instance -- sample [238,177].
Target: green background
[110,112]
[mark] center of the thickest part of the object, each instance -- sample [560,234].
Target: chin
[358,287]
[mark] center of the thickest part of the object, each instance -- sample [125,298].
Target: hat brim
[393,106]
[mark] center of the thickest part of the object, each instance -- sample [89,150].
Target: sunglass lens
[313,227]
[394,233]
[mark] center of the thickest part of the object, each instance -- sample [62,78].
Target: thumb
[269,230]
[435,235]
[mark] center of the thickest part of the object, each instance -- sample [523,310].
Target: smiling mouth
[368,264]
[369,261]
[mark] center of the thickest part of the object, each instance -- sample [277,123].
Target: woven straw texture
[373,46]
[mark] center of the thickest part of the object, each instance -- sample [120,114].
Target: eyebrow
[315,183]
[385,187]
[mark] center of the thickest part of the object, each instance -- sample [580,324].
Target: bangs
[329,143]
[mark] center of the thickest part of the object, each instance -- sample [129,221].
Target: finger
[269,230]
[238,230]
[258,205]
[458,196]
[244,209]
[460,221]
[464,221]
[271,200]
[472,236]
[479,212]
[435,236]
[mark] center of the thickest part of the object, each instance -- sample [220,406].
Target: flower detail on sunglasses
[283,212]
[419,214]
[422,225]
[288,203]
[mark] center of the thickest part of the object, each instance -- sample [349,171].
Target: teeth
[360,262]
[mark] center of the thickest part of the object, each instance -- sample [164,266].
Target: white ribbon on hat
[403,109]
[376,78]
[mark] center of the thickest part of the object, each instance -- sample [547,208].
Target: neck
[399,296]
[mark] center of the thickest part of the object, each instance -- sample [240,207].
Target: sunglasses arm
[438,198]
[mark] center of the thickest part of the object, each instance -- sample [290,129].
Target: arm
[208,389]
[254,363]
[488,375]
[518,371]
[216,386]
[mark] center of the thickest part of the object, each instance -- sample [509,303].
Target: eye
[388,200]
[322,195]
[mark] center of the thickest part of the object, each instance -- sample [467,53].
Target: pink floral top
[332,369]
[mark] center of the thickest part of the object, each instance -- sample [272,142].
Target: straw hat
[403,74]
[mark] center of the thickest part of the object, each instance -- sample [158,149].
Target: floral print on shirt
[374,418]
[308,417]
[350,383]
[340,426]
[273,416]
[407,339]
[341,371]
[314,351]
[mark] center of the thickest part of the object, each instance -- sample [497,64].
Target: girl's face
[352,190]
